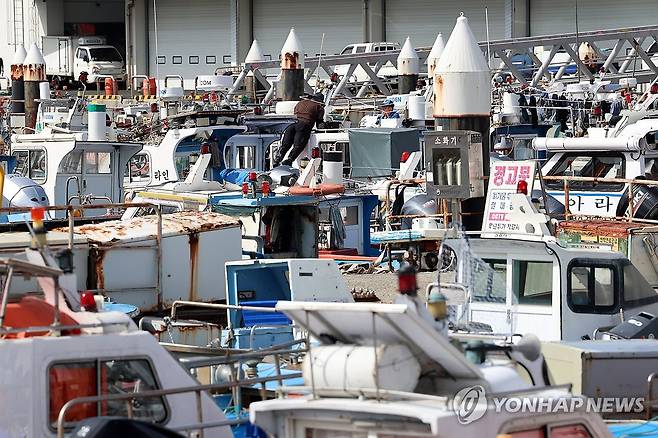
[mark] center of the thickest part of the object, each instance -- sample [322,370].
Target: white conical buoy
[291,84]
[255,53]
[462,81]
[292,52]
[408,68]
[435,54]
[19,56]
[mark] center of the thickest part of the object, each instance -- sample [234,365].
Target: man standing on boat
[309,112]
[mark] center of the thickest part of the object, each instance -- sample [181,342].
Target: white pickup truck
[67,57]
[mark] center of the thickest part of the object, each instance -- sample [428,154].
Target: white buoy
[462,87]
[255,55]
[97,130]
[462,83]
[291,84]
[408,68]
[34,72]
[435,55]
[17,83]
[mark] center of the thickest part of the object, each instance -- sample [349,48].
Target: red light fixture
[522,187]
[315,152]
[405,156]
[205,148]
[37,214]
[265,188]
[407,284]
[87,301]
[245,188]
[252,176]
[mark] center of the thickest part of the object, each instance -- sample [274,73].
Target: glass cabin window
[103,377]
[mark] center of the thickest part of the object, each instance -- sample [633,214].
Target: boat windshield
[637,291]
[109,54]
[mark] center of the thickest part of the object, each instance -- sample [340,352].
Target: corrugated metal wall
[422,20]
[194,37]
[558,16]
[340,20]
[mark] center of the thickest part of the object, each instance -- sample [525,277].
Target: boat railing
[629,184]
[73,210]
[197,390]
[235,385]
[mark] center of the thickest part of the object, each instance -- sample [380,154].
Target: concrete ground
[385,286]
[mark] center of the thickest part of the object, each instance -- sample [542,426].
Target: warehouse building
[173,37]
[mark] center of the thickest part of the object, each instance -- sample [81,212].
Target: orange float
[321,190]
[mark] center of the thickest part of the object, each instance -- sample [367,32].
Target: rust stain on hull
[194,257]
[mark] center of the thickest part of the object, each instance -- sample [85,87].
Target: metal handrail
[71,224]
[648,402]
[196,389]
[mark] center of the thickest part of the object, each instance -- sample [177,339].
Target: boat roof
[145,227]
[352,323]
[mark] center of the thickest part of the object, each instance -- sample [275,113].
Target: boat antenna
[486,20]
[317,73]
[155,30]
[577,43]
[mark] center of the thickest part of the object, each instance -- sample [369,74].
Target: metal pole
[374,344]
[5,296]
[159,258]
[71,226]
[199,410]
[310,355]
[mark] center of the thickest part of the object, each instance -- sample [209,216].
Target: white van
[359,75]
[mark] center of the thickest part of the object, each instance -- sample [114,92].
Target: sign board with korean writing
[453,164]
[505,176]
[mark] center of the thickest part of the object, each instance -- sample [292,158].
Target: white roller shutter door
[193,38]
[558,16]
[339,20]
[422,20]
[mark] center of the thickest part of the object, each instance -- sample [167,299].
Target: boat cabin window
[592,287]
[533,282]
[603,165]
[98,162]
[245,157]
[491,277]
[138,168]
[636,291]
[70,380]
[71,163]
[31,164]
[558,431]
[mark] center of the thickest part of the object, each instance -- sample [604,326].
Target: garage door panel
[422,20]
[339,20]
[193,38]
[559,16]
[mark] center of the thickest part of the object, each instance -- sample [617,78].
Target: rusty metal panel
[145,227]
[192,266]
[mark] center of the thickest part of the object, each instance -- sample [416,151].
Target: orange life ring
[321,190]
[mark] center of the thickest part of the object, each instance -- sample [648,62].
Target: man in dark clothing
[308,113]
